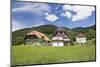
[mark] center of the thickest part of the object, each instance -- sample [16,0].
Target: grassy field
[47,54]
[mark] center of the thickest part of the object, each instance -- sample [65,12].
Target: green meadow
[28,54]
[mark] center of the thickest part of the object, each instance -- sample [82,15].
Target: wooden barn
[60,37]
[81,38]
[35,37]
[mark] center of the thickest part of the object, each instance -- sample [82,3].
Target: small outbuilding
[60,37]
[81,38]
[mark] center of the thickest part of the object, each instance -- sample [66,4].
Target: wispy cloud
[29,14]
[36,8]
[16,25]
[82,12]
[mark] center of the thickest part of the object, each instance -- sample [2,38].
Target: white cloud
[82,12]
[67,7]
[51,17]
[67,14]
[36,8]
[16,25]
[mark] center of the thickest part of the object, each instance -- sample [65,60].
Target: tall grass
[48,54]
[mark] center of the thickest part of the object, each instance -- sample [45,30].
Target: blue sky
[28,14]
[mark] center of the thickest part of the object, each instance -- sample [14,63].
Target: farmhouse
[81,38]
[35,37]
[60,37]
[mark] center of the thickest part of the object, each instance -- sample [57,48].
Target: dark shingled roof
[81,34]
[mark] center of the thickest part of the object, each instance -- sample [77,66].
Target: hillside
[84,29]
[18,36]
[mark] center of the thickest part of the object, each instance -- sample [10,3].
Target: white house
[81,38]
[60,38]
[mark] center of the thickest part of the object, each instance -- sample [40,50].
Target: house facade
[81,38]
[35,37]
[60,38]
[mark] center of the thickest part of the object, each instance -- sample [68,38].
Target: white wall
[81,40]
[57,44]
[57,38]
